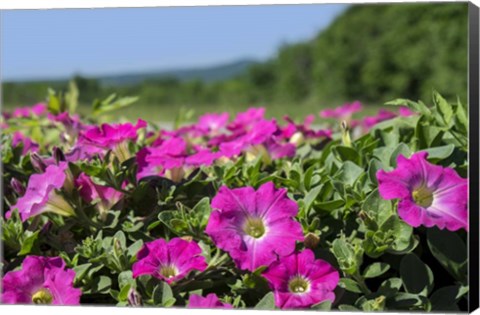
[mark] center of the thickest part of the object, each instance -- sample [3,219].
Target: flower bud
[37,162]
[58,155]
[311,240]
[346,140]
[134,298]
[17,186]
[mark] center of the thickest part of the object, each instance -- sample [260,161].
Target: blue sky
[59,43]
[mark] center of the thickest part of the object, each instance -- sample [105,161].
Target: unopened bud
[311,240]
[58,155]
[346,140]
[17,186]
[134,298]
[37,162]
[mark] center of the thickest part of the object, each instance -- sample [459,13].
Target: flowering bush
[237,212]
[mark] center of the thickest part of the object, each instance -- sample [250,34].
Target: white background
[46,4]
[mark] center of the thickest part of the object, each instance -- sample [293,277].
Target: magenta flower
[382,115]
[170,159]
[246,119]
[42,196]
[428,194]
[28,144]
[254,226]
[42,280]
[210,301]
[343,112]
[27,111]
[71,124]
[404,111]
[112,137]
[300,280]
[257,134]
[104,197]
[212,123]
[169,261]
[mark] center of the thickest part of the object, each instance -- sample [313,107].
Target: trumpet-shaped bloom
[342,112]
[254,226]
[169,261]
[28,144]
[211,123]
[111,137]
[210,301]
[300,280]
[42,196]
[42,280]
[105,197]
[428,194]
[171,155]
[245,119]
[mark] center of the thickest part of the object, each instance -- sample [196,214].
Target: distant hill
[205,74]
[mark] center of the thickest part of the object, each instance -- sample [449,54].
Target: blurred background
[294,59]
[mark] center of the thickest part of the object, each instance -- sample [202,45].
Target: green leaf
[418,107]
[125,278]
[446,298]
[28,243]
[443,107]
[449,249]
[390,287]
[440,153]
[54,105]
[311,196]
[266,303]
[350,285]
[402,149]
[330,205]
[162,294]
[408,301]
[103,285]
[349,173]
[323,306]
[375,270]
[416,276]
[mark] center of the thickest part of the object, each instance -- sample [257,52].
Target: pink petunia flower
[105,197]
[169,261]
[212,123]
[210,301]
[382,115]
[170,159]
[111,137]
[254,226]
[42,280]
[27,111]
[300,280]
[428,194]
[42,196]
[28,144]
[71,123]
[246,119]
[404,111]
[343,112]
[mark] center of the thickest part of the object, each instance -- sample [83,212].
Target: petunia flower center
[42,296]
[423,196]
[298,284]
[254,227]
[168,271]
